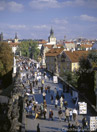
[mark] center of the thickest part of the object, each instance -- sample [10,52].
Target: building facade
[60,61]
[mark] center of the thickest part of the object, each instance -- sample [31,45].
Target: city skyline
[33,19]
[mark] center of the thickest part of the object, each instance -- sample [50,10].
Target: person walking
[74,114]
[44,94]
[70,115]
[61,102]
[42,82]
[38,128]
[51,99]
[67,114]
[60,113]
[41,89]
[44,113]
[56,103]
[84,123]
[51,114]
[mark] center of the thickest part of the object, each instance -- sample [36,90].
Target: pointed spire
[16,36]
[51,32]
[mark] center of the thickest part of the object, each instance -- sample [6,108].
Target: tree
[71,78]
[6,63]
[29,49]
[86,80]
[6,58]
[93,58]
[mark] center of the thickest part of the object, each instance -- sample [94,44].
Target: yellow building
[58,61]
[52,59]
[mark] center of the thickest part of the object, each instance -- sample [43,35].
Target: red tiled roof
[75,55]
[42,42]
[86,45]
[13,44]
[54,51]
[49,46]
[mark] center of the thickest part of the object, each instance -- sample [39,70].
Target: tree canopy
[6,58]
[29,49]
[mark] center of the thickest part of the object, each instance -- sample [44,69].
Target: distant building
[69,46]
[51,38]
[16,38]
[1,37]
[95,46]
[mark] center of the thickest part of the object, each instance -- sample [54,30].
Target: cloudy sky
[34,18]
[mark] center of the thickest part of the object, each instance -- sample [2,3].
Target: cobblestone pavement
[47,125]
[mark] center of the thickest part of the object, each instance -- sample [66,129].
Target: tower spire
[16,36]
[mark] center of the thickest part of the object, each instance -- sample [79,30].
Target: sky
[33,19]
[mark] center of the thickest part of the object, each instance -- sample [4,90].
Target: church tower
[51,38]
[16,38]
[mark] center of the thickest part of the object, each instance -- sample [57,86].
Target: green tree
[29,49]
[6,63]
[86,80]
[6,58]
[71,78]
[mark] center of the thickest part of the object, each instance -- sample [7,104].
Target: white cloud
[2,5]
[12,6]
[41,4]
[17,26]
[88,18]
[15,7]
[60,21]
[44,4]
[40,27]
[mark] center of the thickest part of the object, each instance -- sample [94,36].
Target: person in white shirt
[74,114]
[70,114]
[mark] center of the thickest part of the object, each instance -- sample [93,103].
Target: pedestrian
[41,89]
[62,95]
[45,78]
[69,126]
[65,104]
[44,104]
[42,82]
[44,94]
[36,82]
[57,96]
[74,114]
[56,103]
[41,108]
[84,123]
[44,113]
[60,113]
[49,77]
[70,115]
[48,87]
[38,128]
[61,102]
[51,99]
[67,114]
[51,114]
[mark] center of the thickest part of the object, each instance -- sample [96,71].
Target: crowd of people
[34,78]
